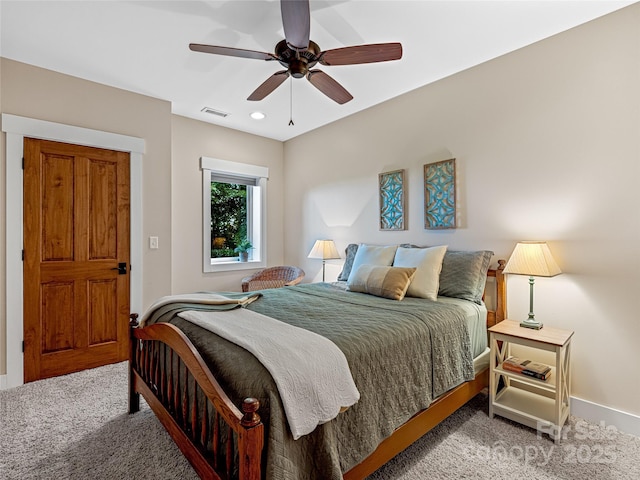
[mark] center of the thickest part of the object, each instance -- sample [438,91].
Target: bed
[223,410]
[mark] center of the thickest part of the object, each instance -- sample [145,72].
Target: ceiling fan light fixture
[258,116]
[297,68]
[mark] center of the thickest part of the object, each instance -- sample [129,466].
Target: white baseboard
[595,413]
[3,382]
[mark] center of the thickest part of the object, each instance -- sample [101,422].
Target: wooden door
[76,258]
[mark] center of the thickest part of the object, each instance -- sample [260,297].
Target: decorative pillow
[350,254]
[386,282]
[464,274]
[428,262]
[381,256]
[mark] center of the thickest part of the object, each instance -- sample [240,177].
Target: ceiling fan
[299,55]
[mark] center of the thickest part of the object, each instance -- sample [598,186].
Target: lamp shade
[324,249]
[533,259]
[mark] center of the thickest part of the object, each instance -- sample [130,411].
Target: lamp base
[534,324]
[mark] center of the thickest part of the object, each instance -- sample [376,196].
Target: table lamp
[326,250]
[533,259]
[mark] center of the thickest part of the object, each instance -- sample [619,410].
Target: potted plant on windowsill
[243,250]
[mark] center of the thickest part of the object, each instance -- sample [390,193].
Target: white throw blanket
[201,298]
[310,371]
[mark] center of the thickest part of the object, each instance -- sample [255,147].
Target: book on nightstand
[527,367]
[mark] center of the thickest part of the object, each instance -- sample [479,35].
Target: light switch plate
[153,243]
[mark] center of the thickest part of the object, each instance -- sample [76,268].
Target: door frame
[16,128]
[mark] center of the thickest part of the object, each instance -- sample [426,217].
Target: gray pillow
[350,254]
[464,274]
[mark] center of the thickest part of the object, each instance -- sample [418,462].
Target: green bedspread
[402,355]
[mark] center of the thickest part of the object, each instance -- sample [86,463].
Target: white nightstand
[540,404]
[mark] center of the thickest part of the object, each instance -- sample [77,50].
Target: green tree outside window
[228,218]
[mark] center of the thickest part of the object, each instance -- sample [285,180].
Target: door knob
[121,268]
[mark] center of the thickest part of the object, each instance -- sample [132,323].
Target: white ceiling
[142,46]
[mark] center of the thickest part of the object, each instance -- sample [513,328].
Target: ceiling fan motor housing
[297,62]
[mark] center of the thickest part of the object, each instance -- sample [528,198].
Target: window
[234,209]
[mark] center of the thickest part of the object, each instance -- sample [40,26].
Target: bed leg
[134,397]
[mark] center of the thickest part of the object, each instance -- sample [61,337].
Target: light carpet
[77,426]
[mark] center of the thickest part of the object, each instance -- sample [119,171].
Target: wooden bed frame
[182,412]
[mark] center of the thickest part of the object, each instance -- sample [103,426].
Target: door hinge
[23,255]
[23,163]
[22,346]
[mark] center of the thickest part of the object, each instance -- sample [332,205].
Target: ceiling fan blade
[231,52]
[269,85]
[296,21]
[329,86]
[371,53]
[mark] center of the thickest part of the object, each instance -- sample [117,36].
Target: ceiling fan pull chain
[291,102]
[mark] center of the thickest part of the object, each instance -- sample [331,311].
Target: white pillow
[428,262]
[380,256]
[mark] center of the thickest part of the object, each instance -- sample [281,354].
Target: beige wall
[191,140]
[41,94]
[172,201]
[45,95]
[548,148]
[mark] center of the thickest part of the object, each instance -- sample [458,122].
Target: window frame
[258,208]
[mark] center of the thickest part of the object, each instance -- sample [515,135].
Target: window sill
[233,266]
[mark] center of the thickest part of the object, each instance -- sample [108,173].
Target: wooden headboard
[499,312]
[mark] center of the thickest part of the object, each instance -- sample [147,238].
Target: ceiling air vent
[213,111]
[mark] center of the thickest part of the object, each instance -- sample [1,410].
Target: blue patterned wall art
[440,195]
[392,200]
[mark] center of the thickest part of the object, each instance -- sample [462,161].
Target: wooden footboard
[169,372]
[189,402]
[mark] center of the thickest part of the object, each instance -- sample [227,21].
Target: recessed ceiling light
[258,115]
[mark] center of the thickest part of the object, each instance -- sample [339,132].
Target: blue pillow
[350,254]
